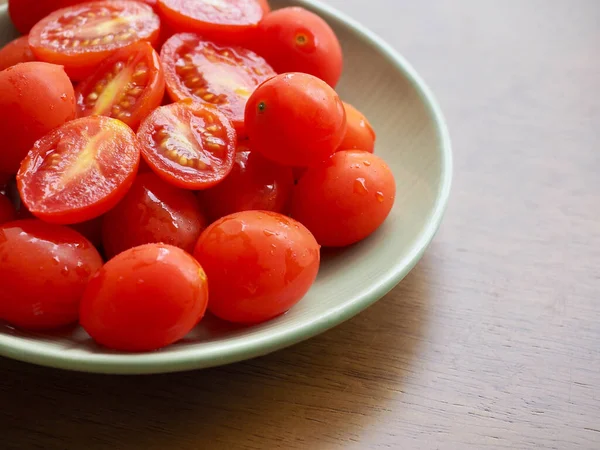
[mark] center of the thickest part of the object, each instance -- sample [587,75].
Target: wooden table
[492,342]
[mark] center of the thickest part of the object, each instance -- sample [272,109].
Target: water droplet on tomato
[379,196]
[360,186]
[367,163]
[269,233]
[64,271]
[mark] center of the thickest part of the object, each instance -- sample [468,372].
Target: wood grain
[493,341]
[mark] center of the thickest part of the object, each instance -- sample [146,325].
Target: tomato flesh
[145,298]
[359,133]
[44,270]
[80,170]
[80,37]
[188,145]
[15,52]
[153,211]
[213,74]
[127,86]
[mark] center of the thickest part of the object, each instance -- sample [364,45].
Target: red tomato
[145,298]
[44,269]
[345,199]
[127,86]
[35,98]
[80,37]
[15,52]
[212,74]
[91,230]
[26,13]
[231,21]
[188,145]
[153,211]
[296,40]
[259,264]
[254,183]
[80,170]
[359,133]
[295,119]
[7,210]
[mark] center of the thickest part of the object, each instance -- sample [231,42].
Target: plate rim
[155,363]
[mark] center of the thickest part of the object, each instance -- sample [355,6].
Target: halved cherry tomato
[15,52]
[188,145]
[226,21]
[80,170]
[254,183]
[359,133]
[219,76]
[153,211]
[345,199]
[145,298]
[80,37]
[297,40]
[295,119]
[44,270]
[127,86]
[7,210]
[35,98]
[259,264]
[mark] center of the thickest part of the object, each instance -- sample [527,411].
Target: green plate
[411,136]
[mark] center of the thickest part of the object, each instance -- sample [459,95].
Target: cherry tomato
[295,119]
[127,86]
[188,145]
[254,183]
[80,37]
[212,74]
[7,210]
[15,52]
[259,264]
[35,98]
[44,269]
[359,133]
[80,170]
[153,211]
[227,21]
[91,230]
[296,40]
[345,199]
[145,298]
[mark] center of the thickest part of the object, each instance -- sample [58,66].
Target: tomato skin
[296,40]
[295,119]
[80,183]
[153,211]
[259,264]
[255,183]
[8,212]
[345,199]
[359,133]
[15,52]
[44,270]
[151,86]
[63,37]
[144,299]
[35,98]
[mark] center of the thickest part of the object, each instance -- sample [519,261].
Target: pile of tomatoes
[164,157]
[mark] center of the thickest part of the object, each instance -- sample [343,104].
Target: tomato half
[254,183]
[80,170]
[145,298]
[297,40]
[227,21]
[345,199]
[259,264]
[153,211]
[80,37]
[7,210]
[188,145]
[44,270]
[127,86]
[35,98]
[219,76]
[295,119]
[15,52]
[359,133]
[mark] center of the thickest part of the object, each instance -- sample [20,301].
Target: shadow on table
[313,395]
